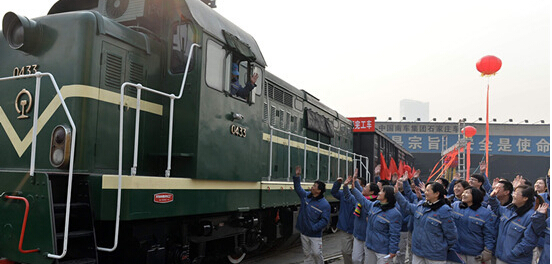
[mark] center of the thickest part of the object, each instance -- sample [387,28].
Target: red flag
[411,174]
[409,170]
[392,166]
[401,168]
[384,173]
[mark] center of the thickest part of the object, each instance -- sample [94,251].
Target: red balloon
[488,65]
[469,131]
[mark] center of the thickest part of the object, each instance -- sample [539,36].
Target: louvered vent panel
[272,115]
[113,71]
[288,99]
[136,73]
[278,95]
[265,112]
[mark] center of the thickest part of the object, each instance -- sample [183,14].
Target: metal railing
[38,76]
[355,157]
[133,170]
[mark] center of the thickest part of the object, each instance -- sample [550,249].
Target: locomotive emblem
[25,105]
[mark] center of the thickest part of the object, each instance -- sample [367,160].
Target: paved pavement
[294,254]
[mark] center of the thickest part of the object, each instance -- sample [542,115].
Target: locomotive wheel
[236,258]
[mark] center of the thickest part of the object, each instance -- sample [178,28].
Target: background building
[514,149]
[411,110]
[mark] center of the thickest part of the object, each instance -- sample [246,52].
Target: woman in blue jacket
[541,227]
[434,231]
[515,235]
[476,228]
[370,192]
[383,224]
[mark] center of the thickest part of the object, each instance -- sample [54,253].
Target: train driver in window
[235,86]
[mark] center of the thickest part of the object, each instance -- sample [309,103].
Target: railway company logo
[26,104]
[163,197]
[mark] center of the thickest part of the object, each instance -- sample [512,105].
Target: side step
[81,244]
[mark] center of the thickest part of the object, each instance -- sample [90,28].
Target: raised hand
[404,177]
[457,176]
[377,169]
[543,208]
[417,173]
[297,170]
[495,182]
[254,78]
[422,186]
[418,192]
[482,166]
[494,192]
[517,181]
[348,180]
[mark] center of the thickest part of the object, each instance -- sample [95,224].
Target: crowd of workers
[407,221]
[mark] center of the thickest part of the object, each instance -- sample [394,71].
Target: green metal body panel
[38,232]
[91,56]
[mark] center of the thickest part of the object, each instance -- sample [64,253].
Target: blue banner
[498,145]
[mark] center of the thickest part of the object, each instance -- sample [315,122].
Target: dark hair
[384,182]
[543,180]
[479,177]
[437,187]
[389,194]
[477,196]
[445,182]
[464,183]
[374,188]
[528,192]
[362,181]
[321,186]
[507,186]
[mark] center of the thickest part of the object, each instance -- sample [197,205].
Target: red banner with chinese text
[363,124]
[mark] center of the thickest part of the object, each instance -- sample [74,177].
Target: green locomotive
[122,143]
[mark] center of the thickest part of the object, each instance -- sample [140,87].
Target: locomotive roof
[211,21]
[214,23]
[307,97]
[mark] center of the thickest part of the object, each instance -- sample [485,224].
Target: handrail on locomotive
[339,150]
[38,76]
[305,139]
[139,88]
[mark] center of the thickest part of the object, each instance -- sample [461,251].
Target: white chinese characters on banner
[524,145]
[504,145]
[397,139]
[415,142]
[543,146]
[433,143]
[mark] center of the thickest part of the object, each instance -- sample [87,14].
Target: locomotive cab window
[182,40]
[245,80]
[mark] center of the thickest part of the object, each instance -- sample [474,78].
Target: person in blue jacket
[476,228]
[541,227]
[434,232]
[314,216]
[235,86]
[516,238]
[345,221]
[540,188]
[458,189]
[370,192]
[383,224]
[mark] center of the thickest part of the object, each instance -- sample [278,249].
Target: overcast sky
[362,57]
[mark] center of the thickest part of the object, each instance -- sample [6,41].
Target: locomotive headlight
[20,32]
[60,147]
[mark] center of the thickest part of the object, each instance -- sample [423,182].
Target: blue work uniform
[314,214]
[516,238]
